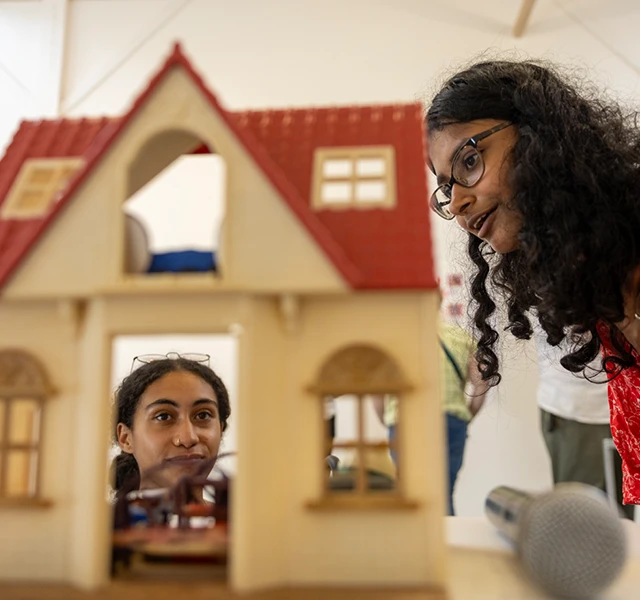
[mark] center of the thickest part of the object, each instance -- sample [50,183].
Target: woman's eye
[204,415]
[162,416]
[470,161]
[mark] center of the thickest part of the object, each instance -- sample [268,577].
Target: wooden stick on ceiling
[523,17]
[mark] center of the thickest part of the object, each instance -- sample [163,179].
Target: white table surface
[482,565]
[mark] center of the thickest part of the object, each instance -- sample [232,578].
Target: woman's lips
[486,224]
[186,458]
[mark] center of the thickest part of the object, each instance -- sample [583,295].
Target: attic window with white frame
[354,177]
[38,186]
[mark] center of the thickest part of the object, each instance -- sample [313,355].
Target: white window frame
[350,179]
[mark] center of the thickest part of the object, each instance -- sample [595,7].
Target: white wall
[306,52]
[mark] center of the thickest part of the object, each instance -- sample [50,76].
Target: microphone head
[571,541]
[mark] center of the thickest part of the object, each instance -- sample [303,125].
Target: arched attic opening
[176,196]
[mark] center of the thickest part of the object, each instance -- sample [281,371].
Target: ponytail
[125,472]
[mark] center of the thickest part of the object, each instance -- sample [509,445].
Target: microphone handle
[504,507]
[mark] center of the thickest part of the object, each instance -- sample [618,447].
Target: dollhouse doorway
[177,547]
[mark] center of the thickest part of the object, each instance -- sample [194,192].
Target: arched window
[24,389]
[362,461]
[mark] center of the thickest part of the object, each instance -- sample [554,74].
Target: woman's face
[176,428]
[483,209]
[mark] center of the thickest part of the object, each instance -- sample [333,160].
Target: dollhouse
[324,270]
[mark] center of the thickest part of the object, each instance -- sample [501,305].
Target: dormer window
[38,186]
[354,177]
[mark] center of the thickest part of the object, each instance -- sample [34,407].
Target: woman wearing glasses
[545,177]
[171,414]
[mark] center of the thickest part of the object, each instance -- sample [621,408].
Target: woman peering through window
[171,414]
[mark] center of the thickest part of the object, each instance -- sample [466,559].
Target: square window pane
[24,427]
[20,478]
[41,175]
[336,193]
[377,412]
[380,469]
[371,191]
[370,167]
[335,168]
[329,414]
[32,199]
[346,423]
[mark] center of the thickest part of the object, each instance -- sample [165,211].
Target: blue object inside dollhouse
[184,261]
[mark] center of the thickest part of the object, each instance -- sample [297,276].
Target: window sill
[28,503]
[348,501]
[143,283]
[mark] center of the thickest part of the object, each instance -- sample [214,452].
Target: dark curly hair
[576,178]
[125,468]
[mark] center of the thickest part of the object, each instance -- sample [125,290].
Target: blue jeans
[456,438]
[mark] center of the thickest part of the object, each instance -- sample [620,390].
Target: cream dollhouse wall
[408,548]
[35,542]
[272,520]
[273,525]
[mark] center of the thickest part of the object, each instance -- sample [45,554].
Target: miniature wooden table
[206,541]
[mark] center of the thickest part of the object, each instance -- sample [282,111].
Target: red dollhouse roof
[372,249]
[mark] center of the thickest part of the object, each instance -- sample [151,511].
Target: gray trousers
[576,453]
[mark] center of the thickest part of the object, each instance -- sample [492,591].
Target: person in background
[462,394]
[574,414]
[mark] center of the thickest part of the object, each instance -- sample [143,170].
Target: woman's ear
[125,438]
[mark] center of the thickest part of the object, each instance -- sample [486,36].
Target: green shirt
[460,346]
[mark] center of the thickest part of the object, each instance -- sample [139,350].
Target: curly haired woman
[545,177]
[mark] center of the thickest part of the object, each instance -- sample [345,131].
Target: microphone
[570,541]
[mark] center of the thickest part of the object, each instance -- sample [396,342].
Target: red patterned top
[624,407]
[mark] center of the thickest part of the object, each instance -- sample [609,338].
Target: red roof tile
[62,138]
[372,249]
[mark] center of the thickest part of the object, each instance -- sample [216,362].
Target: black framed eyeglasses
[467,168]
[144,359]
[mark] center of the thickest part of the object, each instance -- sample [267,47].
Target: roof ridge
[330,107]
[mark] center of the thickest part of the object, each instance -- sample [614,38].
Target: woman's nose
[461,199]
[187,434]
